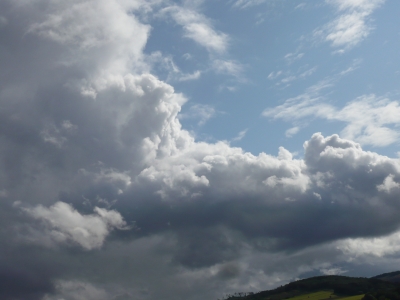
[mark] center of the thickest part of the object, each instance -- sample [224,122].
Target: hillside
[392,277]
[381,287]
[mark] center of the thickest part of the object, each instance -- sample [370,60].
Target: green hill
[381,287]
[392,276]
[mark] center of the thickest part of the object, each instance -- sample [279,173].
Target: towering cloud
[105,196]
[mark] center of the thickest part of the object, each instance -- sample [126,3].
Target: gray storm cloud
[91,146]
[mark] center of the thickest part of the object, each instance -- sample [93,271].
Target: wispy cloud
[291,57]
[167,64]
[240,136]
[274,75]
[199,28]
[192,76]
[292,131]
[200,112]
[247,3]
[369,119]
[228,67]
[351,26]
[288,77]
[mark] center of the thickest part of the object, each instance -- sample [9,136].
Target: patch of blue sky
[280,50]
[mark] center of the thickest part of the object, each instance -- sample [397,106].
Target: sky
[191,149]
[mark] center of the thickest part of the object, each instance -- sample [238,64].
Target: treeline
[383,295]
[373,288]
[236,295]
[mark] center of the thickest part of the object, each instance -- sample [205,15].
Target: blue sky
[280,49]
[157,149]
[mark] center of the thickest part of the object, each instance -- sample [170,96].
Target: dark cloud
[90,144]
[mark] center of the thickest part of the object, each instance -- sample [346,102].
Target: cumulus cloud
[85,127]
[351,26]
[368,119]
[64,224]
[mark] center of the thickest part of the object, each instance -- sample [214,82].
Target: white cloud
[308,72]
[213,217]
[369,119]
[198,28]
[292,131]
[187,77]
[292,57]
[103,29]
[300,6]
[65,224]
[388,184]
[289,76]
[201,112]
[247,3]
[240,135]
[379,246]
[367,6]
[351,26]
[157,59]
[332,271]
[228,67]
[274,75]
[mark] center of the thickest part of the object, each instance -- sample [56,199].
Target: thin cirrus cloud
[200,112]
[199,29]
[240,136]
[368,119]
[166,63]
[228,67]
[247,3]
[351,26]
[292,131]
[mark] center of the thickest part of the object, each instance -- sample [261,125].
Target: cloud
[352,24]
[209,218]
[240,136]
[274,75]
[64,224]
[289,76]
[166,63]
[292,57]
[332,271]
[228,67]
[198,28]
[193,76]
[363,116]
[292,131]
[247,3]
[202,112]
[76,290]
[381,246]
